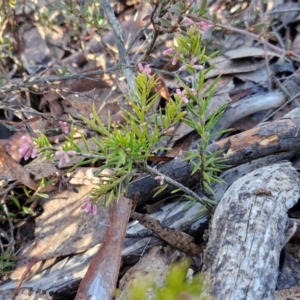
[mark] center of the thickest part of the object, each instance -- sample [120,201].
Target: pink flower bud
[182,95]
[33,153]
[64,156]
[188,21]
[89,206]
[168,51]
[71,152]
[182,68]
[185,100]
[205,25]
[94,210]
[178,92]
[174,61]
[86,207]
[27,149]
[161,179]
[64,126]
[59,153]
[141,68]
[146,69]
[26,139]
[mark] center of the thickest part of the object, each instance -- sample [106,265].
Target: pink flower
[188,21]
[174,61]
[168,51]
[89,206]
[161,179]
[205,25]
[178,92]
[146,69]
[185,100]
[64,156]
[182,95]
[182,68]
[141,68]
[64,126]
[27,149]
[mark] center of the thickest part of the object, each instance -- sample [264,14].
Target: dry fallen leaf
[82,104]
[249,52]
[223,65]
[63,228]
[35,49]
[259,76]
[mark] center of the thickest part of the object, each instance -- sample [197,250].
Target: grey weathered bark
[281,136]
[271,143]
[247,234]
[66,274]
[250,105]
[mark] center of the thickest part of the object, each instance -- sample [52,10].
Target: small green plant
[126,148]
[176,287]
[193,57]
[207,163]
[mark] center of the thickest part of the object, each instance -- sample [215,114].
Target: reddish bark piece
[164,92]
[100,280]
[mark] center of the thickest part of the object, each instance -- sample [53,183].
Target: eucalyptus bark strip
[100,280]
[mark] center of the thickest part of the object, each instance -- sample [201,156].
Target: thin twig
[155,31]
[247,33]
[288,94]
[113,22]
[86,155]
[265,50]
[4,235]
[175,183]
[6,212]
[46,81]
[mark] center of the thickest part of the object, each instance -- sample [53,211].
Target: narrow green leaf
[42,195]
[160,190]
[27,210]
[15,200]
[202,212]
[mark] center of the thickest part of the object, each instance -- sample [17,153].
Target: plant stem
[175,183]
[113,22]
